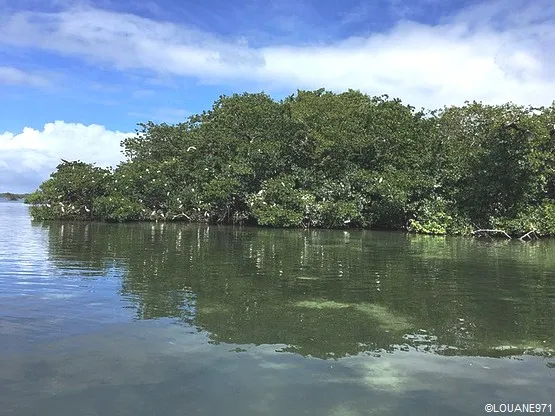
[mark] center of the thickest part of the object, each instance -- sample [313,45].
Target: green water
[158,319]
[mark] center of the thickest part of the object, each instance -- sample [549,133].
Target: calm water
[154,319]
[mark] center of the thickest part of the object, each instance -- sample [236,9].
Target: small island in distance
[12,196]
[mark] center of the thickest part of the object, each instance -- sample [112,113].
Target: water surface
[177,319]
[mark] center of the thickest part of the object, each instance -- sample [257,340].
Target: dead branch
[488,231]
[529,235]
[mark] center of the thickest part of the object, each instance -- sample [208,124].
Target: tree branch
[492,231]
[529,235]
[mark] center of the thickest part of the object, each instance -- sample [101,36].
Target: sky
[76,76]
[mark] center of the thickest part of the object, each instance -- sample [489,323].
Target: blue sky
[76,76]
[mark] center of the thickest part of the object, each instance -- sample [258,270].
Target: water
[176,319]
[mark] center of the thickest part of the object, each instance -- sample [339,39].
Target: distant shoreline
[12,196]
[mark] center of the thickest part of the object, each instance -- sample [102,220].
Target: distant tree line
[13,197]
[320,159]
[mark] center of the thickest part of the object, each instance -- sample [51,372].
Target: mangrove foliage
[320,159]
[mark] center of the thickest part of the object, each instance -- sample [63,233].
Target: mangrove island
[326,160]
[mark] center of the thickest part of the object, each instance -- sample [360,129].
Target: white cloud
[484,53]
[495,52]
[27,158]
[14,76]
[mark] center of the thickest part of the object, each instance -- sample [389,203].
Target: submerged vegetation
[319,159]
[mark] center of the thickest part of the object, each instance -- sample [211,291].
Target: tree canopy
[320,159]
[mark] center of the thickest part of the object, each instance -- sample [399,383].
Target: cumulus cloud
[496,52]
[27,158]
